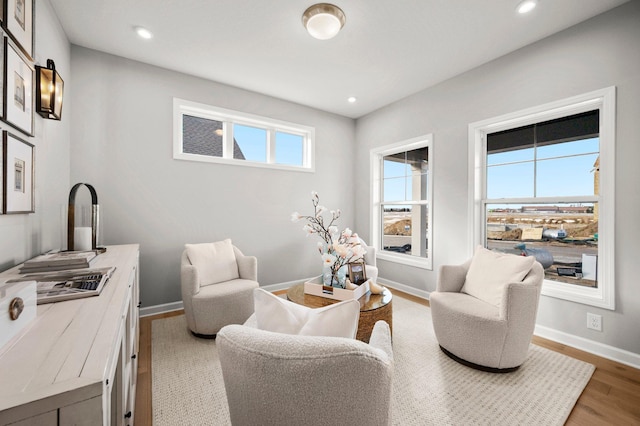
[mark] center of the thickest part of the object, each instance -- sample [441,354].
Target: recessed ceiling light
[351,99]
[527,6]
[143,32]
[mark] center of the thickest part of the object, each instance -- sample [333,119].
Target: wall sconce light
[49,89]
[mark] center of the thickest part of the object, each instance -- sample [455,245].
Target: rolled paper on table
[82,239]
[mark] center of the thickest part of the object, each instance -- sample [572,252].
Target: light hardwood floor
[612,396]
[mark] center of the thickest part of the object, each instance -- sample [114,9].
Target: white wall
[23,236]
[122,144]
[596,54]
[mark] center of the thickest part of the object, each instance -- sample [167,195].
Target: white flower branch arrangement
[339,247]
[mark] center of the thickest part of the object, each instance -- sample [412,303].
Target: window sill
[403,259]
[574,293]
[245,163]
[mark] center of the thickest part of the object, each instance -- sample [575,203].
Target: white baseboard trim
[160,309]
[285,285]
[600,349]
[404,288]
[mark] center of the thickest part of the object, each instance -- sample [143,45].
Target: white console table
[76,363]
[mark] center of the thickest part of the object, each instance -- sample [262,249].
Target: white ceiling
[387,50]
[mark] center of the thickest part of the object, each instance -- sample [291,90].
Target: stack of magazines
[67,285]
[58,261]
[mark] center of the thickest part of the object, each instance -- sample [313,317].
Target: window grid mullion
[271,146]
[227,140]
[535,160]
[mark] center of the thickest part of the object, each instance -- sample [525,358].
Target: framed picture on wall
[2,197]
[18,21]
[18,170]
[2,55]
[18,90]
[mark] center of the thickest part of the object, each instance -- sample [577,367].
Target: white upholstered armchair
[283,379]
[371,267]
[217,283]
[484,310]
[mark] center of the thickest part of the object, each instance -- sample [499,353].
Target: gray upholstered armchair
[491,334]
[217,283]
[282,379]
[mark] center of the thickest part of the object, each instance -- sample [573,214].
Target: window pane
[418,160]
[394,189]
[585,146]
[404,173]
[510,156]
[566,176]
[509,181]
[249,143]
[404,229]
[201,136]
[562,236]
[289,149]
[394,166]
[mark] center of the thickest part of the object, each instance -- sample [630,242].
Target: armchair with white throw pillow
[284,379]
[294,365]
[217,283]
[484,310]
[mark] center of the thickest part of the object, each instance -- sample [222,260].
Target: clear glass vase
[338,279]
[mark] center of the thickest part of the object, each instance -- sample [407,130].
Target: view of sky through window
[252,142]
[561,169]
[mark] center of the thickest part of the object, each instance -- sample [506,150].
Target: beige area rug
[429,388]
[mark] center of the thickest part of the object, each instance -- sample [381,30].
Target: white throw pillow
[491,271]
[215,262]
[279,315]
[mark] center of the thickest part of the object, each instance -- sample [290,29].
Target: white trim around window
[376,177]
[229,118]
[605,101]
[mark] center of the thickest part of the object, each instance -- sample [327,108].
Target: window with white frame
[402,191]
[216,135]
[543,185]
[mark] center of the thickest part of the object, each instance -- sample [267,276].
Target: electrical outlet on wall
[594,322]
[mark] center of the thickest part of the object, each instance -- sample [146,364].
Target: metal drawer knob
[15,308]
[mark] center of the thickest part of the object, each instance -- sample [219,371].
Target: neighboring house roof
[203,136]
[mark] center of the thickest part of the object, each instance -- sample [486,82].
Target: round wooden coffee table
[373,307]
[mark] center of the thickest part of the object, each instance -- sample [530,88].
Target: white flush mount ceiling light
[351,99]
[143,32]
[526,6]
[323,20]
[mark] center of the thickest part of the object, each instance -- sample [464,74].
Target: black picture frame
[18,171]
[17,20]
[2,179]
[357,273]
[18,89]
[3,44]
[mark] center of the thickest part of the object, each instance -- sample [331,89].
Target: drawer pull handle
[15,308]
[126,416]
